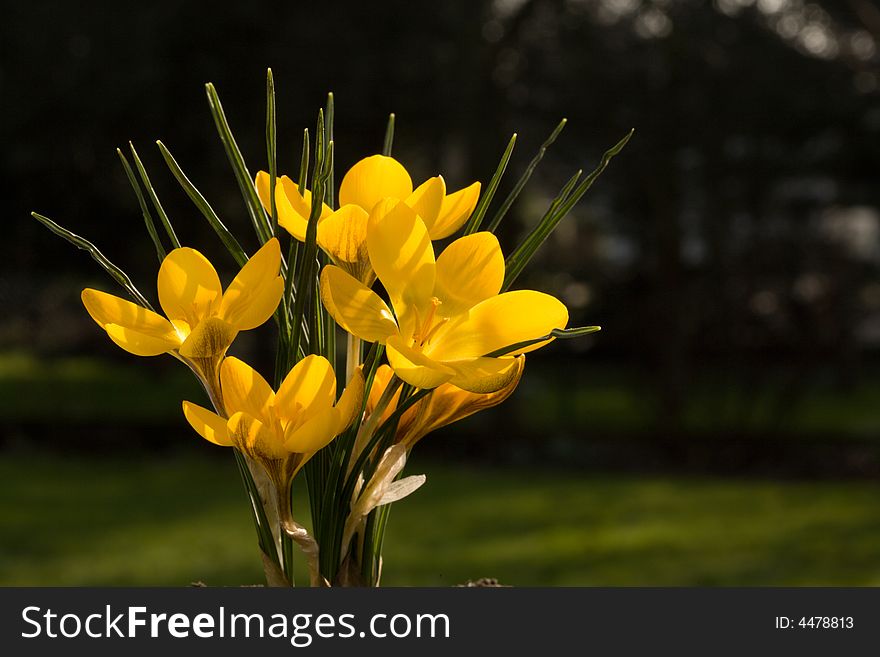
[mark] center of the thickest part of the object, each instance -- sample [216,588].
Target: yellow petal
[243,389]
[469,270]
[343,236]
[207,424]
[209,338]
[401,255]
[427,199]
[189,288]
[255,438]
[138,343]
[456,210]
[498,322]
[483,375]
[314,434]
[349,404]
[414,367]
[108,309]
[294,208]
[262,183]
[355,307]
[448,404]
[309,388]
[253,295]
[373,179]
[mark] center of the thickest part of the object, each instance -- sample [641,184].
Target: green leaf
[154,198]
[145,210]
[304,162]
[306,279]
[81,243]
[287,349]
[517,260]
[562,334]
[260,221]
[521,183]
[271,146]
[560,207]
[389,136]
[320,144]
[204,207]
[476,218]
[329,112]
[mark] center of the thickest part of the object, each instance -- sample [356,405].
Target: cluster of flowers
[446,327]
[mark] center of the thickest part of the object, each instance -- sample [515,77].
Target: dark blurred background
[724,427]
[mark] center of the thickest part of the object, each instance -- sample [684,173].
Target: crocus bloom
[282,430]
[449,317]
[342,234]
[445,405]
[202,319]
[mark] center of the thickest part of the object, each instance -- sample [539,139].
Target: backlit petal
[243,389]
[189,288]
[343,236]
[109,309]
[469,270]
[253,295]
[209,338]
[262,183]
[483,375]
[349,404]
[448,404]
[207,424]
[294,208]
[255,438]
[308,388]
[498,322]
[355,307]
[373,179]
[140,344]
[427,199]
[456,210]
[414,367]
[401,254]
[317,432]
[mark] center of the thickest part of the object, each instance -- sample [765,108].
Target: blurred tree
[735,236]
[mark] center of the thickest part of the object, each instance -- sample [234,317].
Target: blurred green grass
[169,519]
[589,399]
[87,389]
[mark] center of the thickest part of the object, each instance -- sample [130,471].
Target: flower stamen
[426,330]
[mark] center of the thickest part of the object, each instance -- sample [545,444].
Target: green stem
[368,428]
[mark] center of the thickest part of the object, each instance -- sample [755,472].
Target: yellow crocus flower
[202,319]
[282,430]
[445,405]
[342,234]
[448,314]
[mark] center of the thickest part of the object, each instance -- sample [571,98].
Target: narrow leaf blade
[204,207]
[151,192]
[521,183]
[389,136]
[561,334]
[82,243]
[145,210]
[245,181]
[476,218]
